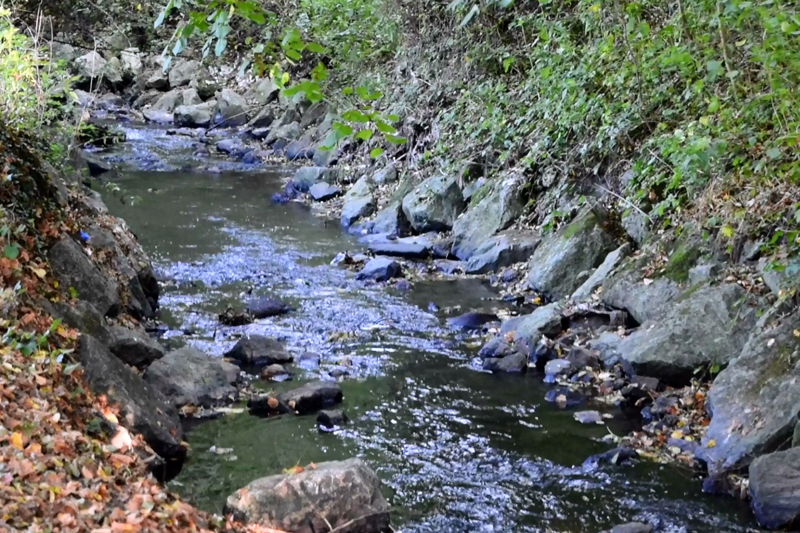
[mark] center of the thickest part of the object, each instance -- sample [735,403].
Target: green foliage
[29,82]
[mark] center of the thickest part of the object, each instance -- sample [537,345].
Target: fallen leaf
[711,443]
[16,440]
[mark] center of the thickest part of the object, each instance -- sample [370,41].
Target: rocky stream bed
[457,448]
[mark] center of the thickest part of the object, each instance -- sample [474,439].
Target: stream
[458,449]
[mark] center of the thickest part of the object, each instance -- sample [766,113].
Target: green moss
[581,223]
[482,192]
[682,259]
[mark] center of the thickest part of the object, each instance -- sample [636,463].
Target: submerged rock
[380,269]
[615,456]
[434,204]
[472,320]
[589,417]
[143,409]
[631,527]
[343,495]
[514,363]
[564,397]
[557,261]
[705,327]
[755,402]
[190,377]
[257,350]
[267,306]
[775,489]
[330,419]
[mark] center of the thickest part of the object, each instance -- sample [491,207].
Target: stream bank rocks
[343,495]
[189,377]
[257,350]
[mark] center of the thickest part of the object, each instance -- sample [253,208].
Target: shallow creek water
[458,449]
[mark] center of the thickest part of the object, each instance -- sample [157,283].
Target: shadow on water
[458,449]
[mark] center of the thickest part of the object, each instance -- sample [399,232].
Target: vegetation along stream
[458,449]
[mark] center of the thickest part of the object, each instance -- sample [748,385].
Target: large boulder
[80,315]
[73,268]
[502,250]
[194,116]
[142,408]
[775,489]
[134,347]
[182,72]
[232,109]
[389,220]
[132,64]
[162,110]
[267,307]
[343,495]
[705,327]
[112,73]
[492,214]
[190,377]
[754,403]
[643,298]
[257,350]
[434,204]
[580,246]
[359,202]
[158,81]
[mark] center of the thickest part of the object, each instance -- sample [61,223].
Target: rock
[267,306]
[614,456]
[502,250]
[312,397]
[84,99]
[143,409]
[598,277]
[775,489]
[97,167]
[257,350]
[407,250]
[632,527]
[182,72]
[313,115]
[110,102]
[705,327]
[190,377]
[544,321]
[300,148]
[472,320]
[558,368]
[63,52]
[73,268]
[262,120]
[232,147]
[231,110]
[581,245]
[642,299]
[781,277]
[112,73]
[390,220]
[358,202]
[380,269]
[434,204]
[132,65]
[322,192]
[755,402]
[306,177]
[343,495]
[158,81]
[190,97]
[588,417]
[449,267]
[206,86]
[564,397]
[263,92]
[513,363]
[134,347]
[272,371]
[280,136]
[194,116]
[80,315]
[385,176]
[492,214]
[168,101]
[90,69]
[331,419]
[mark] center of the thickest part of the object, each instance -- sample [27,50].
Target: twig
[624,200]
